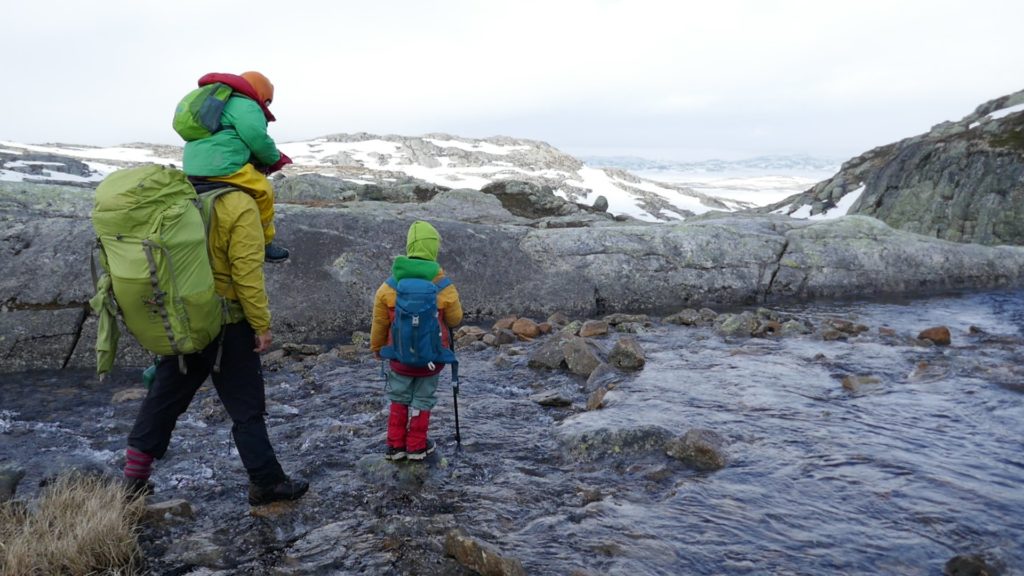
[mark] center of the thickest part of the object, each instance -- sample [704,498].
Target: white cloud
[748,75]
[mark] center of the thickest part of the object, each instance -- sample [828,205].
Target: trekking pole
[455,398]
[455,391]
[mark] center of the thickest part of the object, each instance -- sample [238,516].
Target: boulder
[700,448]
[627,354]
[479,556]
[939,335]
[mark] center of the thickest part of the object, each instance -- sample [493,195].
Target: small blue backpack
[416,338]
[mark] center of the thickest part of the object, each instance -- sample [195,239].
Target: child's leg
[424,397]
[255,184]
[400,390]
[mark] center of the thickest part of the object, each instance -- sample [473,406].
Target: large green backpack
[198,114]
[151,230]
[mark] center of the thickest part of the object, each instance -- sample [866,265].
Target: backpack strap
[206,201]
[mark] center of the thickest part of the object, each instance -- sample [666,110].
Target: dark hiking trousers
[240,387]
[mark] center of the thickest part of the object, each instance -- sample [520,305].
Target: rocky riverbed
[811,439]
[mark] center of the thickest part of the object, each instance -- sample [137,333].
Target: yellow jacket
[236,255]
[384,304]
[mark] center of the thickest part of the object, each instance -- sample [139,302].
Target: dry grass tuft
[81,525]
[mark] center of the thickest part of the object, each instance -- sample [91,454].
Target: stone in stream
[9,477]
[970,565]
[627,355]
[939,335]
[551,398]
[581,355]
[480,556]
[701,448]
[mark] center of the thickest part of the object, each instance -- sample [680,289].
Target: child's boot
[417,445]
[275,253]
[397,421]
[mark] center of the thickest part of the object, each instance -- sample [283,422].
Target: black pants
[240,387]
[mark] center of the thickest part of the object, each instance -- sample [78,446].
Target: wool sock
[137,464]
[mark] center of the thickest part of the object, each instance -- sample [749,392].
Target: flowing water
[921,463]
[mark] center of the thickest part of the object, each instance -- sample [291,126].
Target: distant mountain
[437,159]
[789,164]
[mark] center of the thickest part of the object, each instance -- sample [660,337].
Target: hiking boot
[288,489]
[422,453]
[394,454]
[274,253]
[137,488]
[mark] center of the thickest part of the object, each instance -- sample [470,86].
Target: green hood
[414,268]
[422,241]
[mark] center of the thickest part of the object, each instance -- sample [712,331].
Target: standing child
[412,389]
[240,152]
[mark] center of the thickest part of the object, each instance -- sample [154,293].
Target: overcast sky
[665,79]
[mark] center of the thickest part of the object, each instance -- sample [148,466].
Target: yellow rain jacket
[236,255]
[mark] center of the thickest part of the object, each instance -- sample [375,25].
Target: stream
[921,462]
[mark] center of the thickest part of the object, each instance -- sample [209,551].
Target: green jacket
[242,139]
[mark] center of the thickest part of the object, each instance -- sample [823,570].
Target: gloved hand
[284,159]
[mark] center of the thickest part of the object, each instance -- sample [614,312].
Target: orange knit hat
[264,89]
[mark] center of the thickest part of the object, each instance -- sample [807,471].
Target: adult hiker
[236,149]
[417,284]
[232,359]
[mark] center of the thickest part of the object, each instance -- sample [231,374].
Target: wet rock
[619,318]
[597,443]
[503,362]
[859,383]
[548,356]
[273,357]
[939,335]
[129,395]
[602,376]
[593,328]
[767,328]
[739,325]
[553,398]
[360,339]
[347,352]
[504,336]
[794,326]
[293,349]
[525,328]
[504,323]
[480,556]
[572,328]
[846,326]
[627,355]
[631,327]
[558,319]
[831,335]
[467,340]
[581,355]
[700,448]
[198,550]
[596,399]
[322,549]
[970,565]
[211,410]
[544,327]
[10,475]
[468,330]
[685,317]
[886,331]
[168,511]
